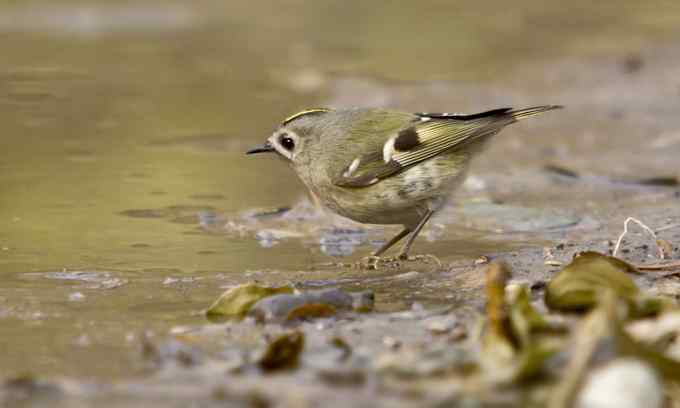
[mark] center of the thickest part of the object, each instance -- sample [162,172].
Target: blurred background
[123,127]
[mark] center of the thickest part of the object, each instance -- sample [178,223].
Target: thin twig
[667,227]
[625,231]
[658,267]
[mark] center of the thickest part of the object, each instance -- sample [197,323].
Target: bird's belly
[402,198]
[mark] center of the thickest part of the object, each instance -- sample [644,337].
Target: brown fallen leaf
[283,352]
[514,345]
[323,303]
[497,276]
[311,310]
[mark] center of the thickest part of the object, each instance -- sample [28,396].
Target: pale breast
[427,185]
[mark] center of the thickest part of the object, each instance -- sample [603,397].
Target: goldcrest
[386,167]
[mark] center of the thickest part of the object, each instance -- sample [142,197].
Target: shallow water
[123,132]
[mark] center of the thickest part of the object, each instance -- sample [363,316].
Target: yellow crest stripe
[302,113]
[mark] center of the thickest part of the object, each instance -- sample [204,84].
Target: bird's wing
[427,136]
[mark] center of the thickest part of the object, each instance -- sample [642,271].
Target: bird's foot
[379,262]
[426,258]
[371,262]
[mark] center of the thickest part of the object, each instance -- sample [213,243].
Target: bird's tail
[520,114]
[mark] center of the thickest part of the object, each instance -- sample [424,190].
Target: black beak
[267,147]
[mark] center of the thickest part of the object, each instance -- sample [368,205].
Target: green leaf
[516,342]
[580,284]
[283,352]
[235,302]
[524,319]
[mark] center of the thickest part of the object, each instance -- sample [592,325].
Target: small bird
[380,166]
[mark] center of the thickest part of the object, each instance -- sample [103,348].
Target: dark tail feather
[520,114]
[503,113]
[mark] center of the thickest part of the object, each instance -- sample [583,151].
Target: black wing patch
[407,139]
[460,116]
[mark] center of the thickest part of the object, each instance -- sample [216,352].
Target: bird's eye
[287,142]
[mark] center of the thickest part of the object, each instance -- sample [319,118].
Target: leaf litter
[592,322]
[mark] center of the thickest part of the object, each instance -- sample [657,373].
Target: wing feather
[429,135]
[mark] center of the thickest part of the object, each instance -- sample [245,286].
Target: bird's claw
[423,258]
[369,262]
[373,262]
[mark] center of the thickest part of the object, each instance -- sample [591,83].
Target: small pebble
[391,342]
[76,297]
[441,325]
[417,307]
[170,281]
[540,284]
[625,383]
[632,64]
[83,341]
[481,260]
[547,253]
[457,334]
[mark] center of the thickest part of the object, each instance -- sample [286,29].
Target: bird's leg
[391,242]
[407,246]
